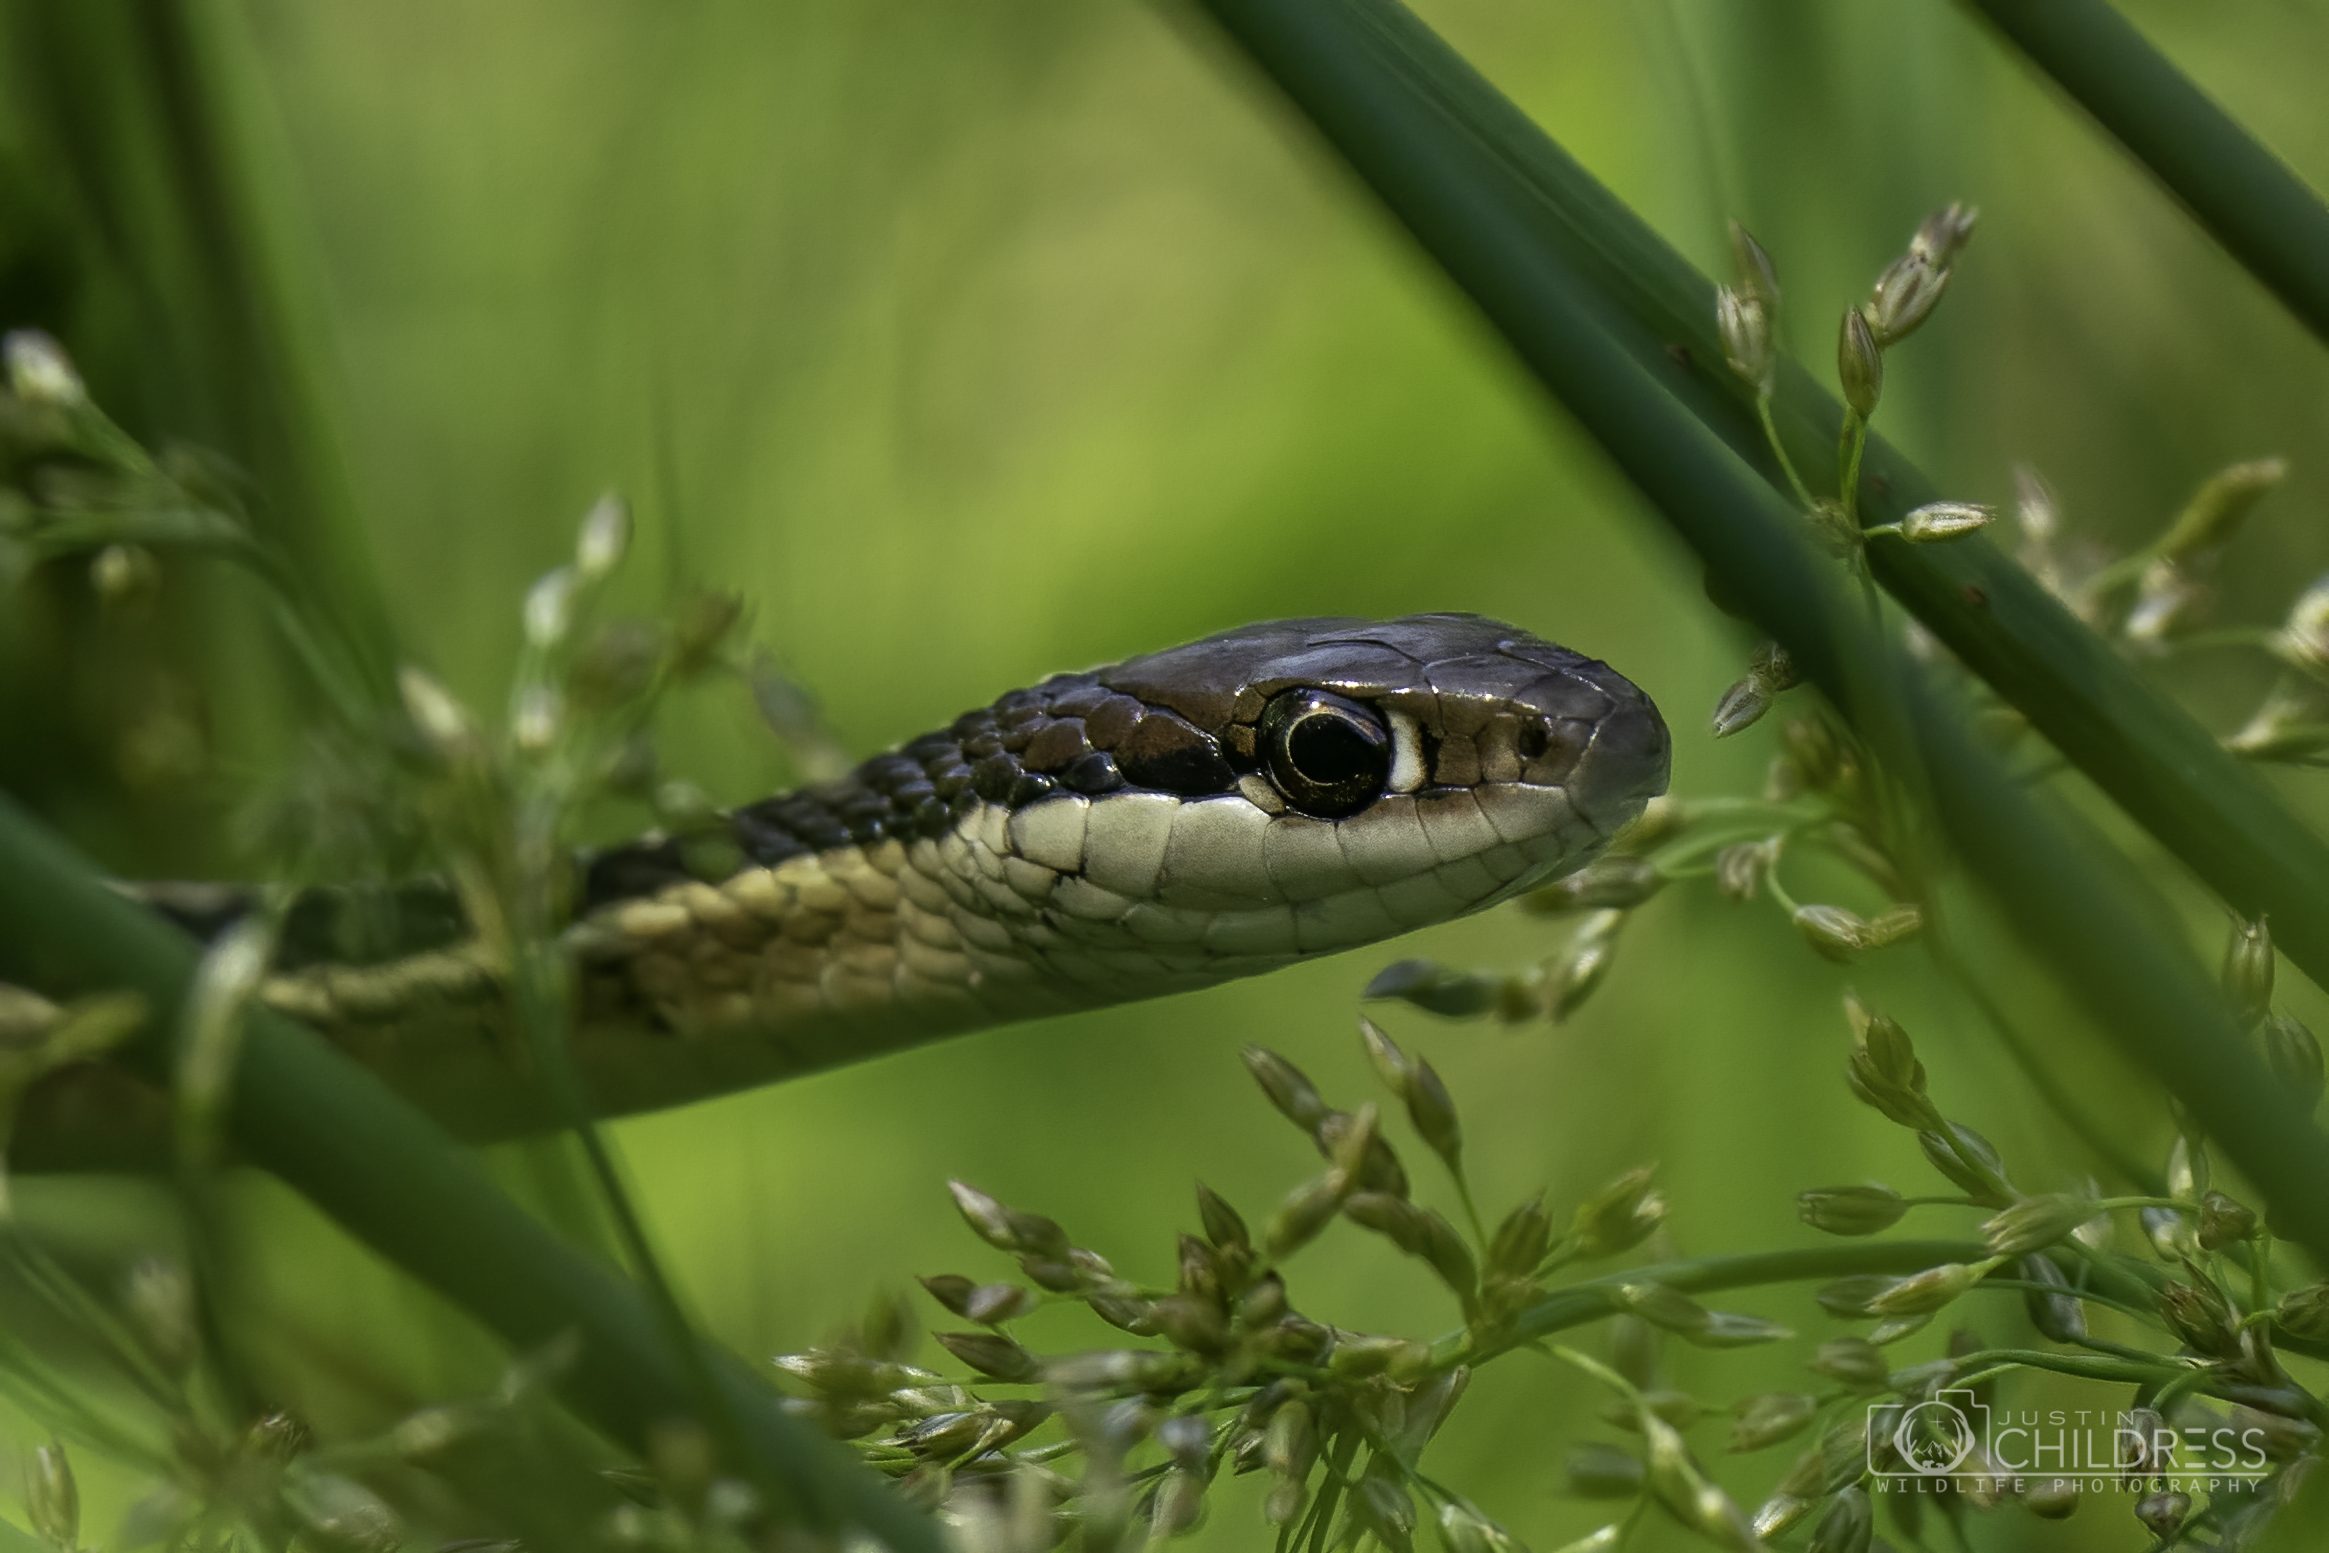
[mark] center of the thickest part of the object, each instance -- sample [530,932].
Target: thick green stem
[2247,198]
[307,1114]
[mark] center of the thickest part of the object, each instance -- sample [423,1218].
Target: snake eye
[1330,757]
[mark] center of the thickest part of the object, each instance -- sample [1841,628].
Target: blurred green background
[971,343]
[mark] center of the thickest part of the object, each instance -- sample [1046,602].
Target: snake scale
[1210,811]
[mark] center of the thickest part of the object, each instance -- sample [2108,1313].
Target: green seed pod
[1743,324]
[1431,1110]
[2163,1513]
[1386,1512]
[2224,1222]
[1619,1217]
[1851,1210]
[1939,520]
[1920,1294]
[1905,296]
[2248,966]
[1943,234]
[1740,707]
[1179,1504]
[1224,1226]
[2304,1313]
[341,1515]
[2035,1223]
[1192,1323]
[1779,1515]
[158,1301]
[1859,364]
[1287,1088]
[1847,1527]
[1662,1306]
[991,1353]
[1434,988]
[1847,1298]
[1741,868]
[1854,1362]
[1358,1354]
[2199,1316]
[1615,883]
[2057,1313]
[1833,932]
[1772,1417]
[2217,508]
[1353,1141]
[2294,1057]
[2051,1498]
[1970,1162]
[1307,1209]
[1521,1241]
[1884,1073]
[1758,276]
[1574,973]
[52,1498]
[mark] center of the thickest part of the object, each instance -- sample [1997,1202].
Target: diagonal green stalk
[392,1180]
[1351,68]
[2249,201]
[1351,59]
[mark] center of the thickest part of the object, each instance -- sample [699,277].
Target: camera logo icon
[1933,1438]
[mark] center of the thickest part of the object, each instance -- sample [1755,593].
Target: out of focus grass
[977,342]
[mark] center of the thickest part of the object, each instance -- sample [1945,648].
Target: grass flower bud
[1744,325]
[1434,988]
[1833,932]
[1574,973]
[1852,1361]
[1758,276]
[1921,1294]
[1287,1088]
[2218,507]
[2163,1513]
[1846,1528]
[2248,966]
[2294,1057]
[2224,1222]
[52,1497]
[1619,1217]
[2035,1223]
[1945,520]
[602,540]
[1904,297]
[1772,1417]
[1859,364]
[1851,1210]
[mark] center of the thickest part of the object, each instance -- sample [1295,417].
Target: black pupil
[1327,749]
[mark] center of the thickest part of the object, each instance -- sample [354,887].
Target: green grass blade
[2217,815]
[1350,69]
[329,1130]
[2248,199]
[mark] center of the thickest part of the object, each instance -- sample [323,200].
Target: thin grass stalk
[2250,202]
[134,112]
[395,1182]
[2089,917]
[2213,812]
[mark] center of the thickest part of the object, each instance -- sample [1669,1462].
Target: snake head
[1292,788]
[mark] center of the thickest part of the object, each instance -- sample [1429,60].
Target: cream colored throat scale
[1211,811]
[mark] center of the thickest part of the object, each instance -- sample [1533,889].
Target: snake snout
[1627,761]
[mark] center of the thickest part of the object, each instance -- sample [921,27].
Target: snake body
[1210,811]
